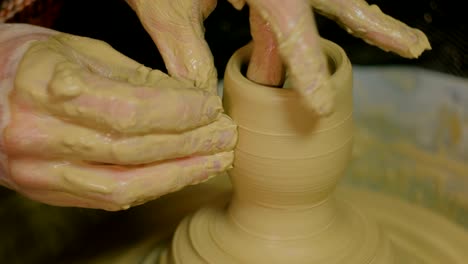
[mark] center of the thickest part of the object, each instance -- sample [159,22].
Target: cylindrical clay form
[288,162]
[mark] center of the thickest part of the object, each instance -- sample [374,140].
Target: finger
[299,46]
[98,56]
[115,187]
[42,137]
[101,58]
[265,65]
[376,28]
[177,29]
[61,198]
[90,99]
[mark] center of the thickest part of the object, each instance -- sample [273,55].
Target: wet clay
[287,165]
[283,207]
[374,27]
[90,127]
[87,74]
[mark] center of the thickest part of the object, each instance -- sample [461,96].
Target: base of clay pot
[211,235]
[416,235]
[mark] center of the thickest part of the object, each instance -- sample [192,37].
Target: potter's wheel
[417,235]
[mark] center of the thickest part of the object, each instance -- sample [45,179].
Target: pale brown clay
[284,208]
[288,163]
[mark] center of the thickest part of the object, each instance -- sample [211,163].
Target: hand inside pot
[285,32]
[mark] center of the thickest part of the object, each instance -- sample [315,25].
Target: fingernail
[226,158]
[214,165]
[227,140]
[321,100]
[213,107]
[227,134]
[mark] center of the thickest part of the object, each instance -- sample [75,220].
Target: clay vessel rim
[335,55]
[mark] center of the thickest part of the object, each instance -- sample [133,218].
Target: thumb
[177,29]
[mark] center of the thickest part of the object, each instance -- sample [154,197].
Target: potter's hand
[176,26]
[86,126]
[373,26]
[288,28]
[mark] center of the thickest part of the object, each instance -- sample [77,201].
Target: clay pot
[287,163]
[287,156]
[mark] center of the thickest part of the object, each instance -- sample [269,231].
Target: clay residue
[102,88]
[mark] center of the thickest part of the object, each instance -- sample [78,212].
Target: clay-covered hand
[176,26]
[85,126]
[287,28]
[284,32]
